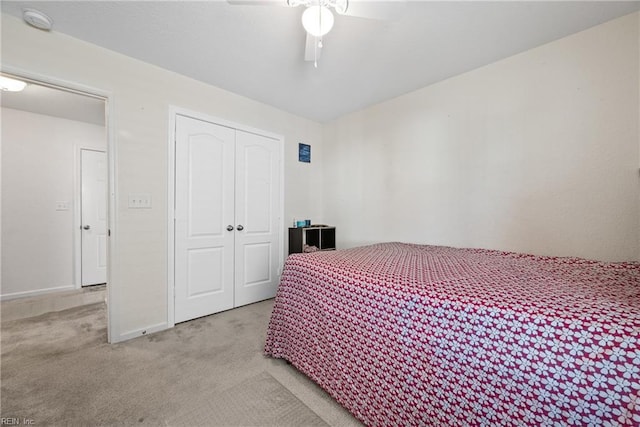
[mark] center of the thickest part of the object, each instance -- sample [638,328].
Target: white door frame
[171,149]
[113,331]
[77,211]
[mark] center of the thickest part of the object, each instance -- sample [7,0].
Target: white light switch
[62,206]
[139,201]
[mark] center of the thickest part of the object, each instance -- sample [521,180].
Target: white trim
[283,230]
[113,330]
[113,333]
[171,235]
[142,331]
[23,294]
[223,122]
[77,216]
[171,147]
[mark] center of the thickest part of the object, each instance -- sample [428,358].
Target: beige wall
[536,153]
[39,168]
[141,96]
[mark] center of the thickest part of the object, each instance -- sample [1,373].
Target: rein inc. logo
[15,421]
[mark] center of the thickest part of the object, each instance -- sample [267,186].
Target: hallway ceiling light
[11,85]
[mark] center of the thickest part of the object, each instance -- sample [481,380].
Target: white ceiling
[257,51]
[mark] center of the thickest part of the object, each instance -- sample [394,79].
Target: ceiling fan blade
[381,10]
[312,51]
[257,2]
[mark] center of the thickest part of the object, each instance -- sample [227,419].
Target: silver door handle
[86,227]
[229,227]
[240,227]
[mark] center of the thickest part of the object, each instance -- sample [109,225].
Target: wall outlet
[139,201]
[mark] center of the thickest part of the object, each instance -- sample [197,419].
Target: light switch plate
[62,206]
[139,201]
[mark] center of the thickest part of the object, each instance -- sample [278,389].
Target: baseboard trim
[15,295]
[140,332]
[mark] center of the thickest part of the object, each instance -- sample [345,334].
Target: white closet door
[257,245]
[204,202]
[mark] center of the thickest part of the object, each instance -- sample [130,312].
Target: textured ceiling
[257,51]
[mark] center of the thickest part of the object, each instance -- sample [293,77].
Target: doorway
[46,130]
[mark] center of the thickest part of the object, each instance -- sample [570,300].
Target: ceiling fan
[318,19]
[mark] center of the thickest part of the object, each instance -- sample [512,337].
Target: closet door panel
[257,245]
[204,207]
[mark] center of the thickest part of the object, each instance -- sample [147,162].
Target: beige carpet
[259,400]
[57,369]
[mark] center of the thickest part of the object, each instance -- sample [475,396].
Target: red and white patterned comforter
[405,334]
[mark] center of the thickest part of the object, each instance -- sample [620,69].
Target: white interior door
[93,212]
[257,238]
[204,208]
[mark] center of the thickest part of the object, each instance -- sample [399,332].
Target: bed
[404,334]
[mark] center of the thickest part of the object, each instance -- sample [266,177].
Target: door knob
[86,227]
[229,227]
[240,227]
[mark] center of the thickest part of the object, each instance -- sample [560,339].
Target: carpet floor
[57,369]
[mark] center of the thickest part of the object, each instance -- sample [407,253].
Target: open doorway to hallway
[54,199]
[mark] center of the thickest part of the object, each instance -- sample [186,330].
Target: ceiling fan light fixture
[11,85]
[317,20]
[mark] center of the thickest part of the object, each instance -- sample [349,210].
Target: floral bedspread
[404,334]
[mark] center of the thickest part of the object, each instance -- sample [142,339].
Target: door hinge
[109,233]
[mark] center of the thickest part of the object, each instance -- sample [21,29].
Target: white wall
[39,168]
[141,96]
[536,153]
